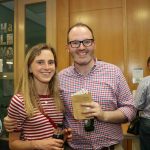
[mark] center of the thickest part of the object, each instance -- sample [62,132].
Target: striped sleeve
[16,111]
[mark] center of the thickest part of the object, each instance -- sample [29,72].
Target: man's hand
[68,134]
[93,109]
[10,124]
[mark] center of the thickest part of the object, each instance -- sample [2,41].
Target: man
[112,100]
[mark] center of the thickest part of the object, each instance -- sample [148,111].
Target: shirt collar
[92,69]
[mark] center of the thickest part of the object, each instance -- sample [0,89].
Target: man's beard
[84,63]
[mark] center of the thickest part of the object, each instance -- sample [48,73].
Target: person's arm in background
[141,93]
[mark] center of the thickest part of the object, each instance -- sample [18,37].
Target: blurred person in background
[142,103]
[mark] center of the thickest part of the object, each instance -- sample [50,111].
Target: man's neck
[85,69]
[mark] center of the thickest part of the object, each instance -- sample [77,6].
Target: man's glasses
[86,43]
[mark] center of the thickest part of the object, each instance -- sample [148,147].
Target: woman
[36,104]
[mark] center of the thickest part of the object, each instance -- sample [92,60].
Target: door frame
[19,31]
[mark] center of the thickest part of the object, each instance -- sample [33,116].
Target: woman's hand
[43,144]
[48,144]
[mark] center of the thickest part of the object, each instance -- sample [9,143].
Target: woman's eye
[40,62]
[51,62]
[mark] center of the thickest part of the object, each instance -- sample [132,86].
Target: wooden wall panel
[138,36]
[89,5]
[106,19]
[62,20]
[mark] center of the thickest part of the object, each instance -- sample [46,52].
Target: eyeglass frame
[91,40]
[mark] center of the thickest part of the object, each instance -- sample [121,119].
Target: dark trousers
[144,133]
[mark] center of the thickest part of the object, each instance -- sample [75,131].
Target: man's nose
[81,45]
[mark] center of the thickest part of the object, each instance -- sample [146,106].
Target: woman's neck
[43,90]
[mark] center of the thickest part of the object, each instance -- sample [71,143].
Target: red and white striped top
[37,127]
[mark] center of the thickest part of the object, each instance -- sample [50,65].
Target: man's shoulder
[146,79]
[65,71]
[106,65]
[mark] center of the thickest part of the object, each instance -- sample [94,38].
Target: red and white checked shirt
[37,127]
[109,88]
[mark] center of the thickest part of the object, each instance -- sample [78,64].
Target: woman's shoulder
[17,98]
